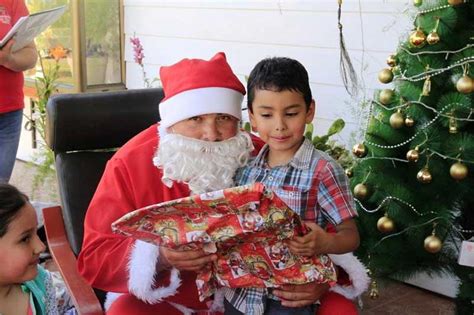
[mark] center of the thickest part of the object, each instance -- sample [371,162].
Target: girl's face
[20,248]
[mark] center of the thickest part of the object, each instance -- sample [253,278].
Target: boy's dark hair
[278,74]
[11,201]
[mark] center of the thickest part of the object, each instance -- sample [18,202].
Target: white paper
[28,27]
[466,256]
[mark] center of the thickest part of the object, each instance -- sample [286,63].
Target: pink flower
[138,54]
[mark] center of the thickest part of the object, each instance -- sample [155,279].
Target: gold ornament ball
[458,171]
[359,150]
[385,225]
[361,191]
[349,172]
[455,2]
[417,38]
[385,96]
[409,122]
[417,3]
[465,85]
[424,176]
[391,61]
[397,120]
[433,244]
[413,155]
[386,75]
[432,38]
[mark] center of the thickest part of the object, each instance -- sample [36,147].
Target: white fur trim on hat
[357,273]
[142,268]
[209,100]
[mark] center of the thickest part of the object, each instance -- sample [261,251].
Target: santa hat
[196,87]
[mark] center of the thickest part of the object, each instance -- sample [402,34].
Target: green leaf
[336,127]
[247,126]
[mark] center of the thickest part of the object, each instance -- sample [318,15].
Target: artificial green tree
[413,178]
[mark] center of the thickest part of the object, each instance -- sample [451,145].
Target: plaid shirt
[330,201]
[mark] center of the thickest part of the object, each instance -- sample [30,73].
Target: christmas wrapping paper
[245,226]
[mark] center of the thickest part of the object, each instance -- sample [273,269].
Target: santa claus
[195,148]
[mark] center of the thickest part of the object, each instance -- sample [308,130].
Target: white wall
[248,31]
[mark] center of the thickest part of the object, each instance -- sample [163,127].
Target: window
[85,44]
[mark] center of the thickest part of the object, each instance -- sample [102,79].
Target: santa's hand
[298,295]
[190,260]
[313,243]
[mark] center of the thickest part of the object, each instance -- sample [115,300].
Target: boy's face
[20,248]
[280,119]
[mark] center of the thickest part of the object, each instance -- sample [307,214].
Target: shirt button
[291,194]
[270,177]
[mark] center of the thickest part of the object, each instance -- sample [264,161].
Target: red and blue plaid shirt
[293,184]
[312,184]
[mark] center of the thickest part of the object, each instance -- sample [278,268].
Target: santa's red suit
[126,267]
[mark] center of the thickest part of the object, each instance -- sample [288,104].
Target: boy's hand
[294,295]
[190,260]
[313,243]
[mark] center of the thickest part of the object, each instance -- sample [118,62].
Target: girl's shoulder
[43,292]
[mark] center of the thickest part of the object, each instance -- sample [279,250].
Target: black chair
[84,131]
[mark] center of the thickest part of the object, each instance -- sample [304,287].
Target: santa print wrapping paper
[245,226]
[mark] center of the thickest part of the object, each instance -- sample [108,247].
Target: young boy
[311,183]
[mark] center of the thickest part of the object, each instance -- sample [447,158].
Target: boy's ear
[311,111]
[253,124]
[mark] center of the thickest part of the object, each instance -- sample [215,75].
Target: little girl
[25,287]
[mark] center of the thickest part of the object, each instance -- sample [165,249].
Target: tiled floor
[395,298]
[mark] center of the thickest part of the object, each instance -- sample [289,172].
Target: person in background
[12,63]
[310,182]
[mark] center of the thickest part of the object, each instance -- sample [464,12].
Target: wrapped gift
[245,226]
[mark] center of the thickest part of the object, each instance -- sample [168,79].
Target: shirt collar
[301,160]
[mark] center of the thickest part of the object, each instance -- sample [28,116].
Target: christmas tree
[413,179]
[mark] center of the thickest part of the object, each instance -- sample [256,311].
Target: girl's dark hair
[11,201]
[278,74]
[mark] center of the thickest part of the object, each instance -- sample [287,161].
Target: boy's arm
[319,241]
[345,240]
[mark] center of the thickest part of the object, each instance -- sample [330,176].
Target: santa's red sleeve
[115,263]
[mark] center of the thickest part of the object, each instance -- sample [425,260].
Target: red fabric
[342,276]
[190,74]
[130,305]
[130,181]
[310,214]
[333,303]
[11,82]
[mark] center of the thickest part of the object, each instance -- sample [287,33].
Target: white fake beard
[205,166]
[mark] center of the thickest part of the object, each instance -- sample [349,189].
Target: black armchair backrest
[84,130]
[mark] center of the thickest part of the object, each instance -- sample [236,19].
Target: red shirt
[11,82]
